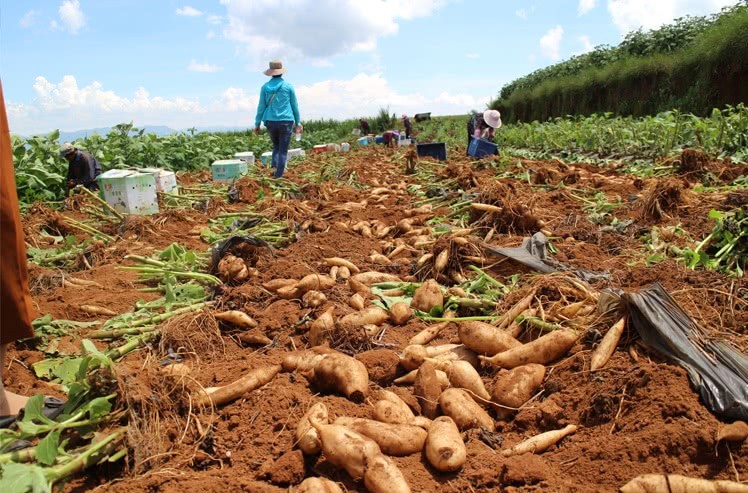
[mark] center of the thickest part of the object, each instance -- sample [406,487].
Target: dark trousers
[280,135]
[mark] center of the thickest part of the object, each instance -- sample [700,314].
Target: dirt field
[636,415]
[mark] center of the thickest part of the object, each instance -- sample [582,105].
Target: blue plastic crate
[436,150]
[481,147]
[379,139]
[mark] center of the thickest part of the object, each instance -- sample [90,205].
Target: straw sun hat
[492,118]
[276,68]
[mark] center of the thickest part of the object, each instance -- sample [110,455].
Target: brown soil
[637,415]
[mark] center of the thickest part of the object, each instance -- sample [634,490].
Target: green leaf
[716,215]
[46,450]
[99,407]
[33,409]
[45,367]
[23,478]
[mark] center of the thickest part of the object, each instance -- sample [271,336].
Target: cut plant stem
[113,334]
[539,323]
[459,319]
[95,453]
[131,345]
[101,201]
[157,319]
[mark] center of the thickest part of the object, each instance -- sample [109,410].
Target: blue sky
[75,64]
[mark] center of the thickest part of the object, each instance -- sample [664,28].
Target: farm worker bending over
[15,299]
[365,130]
[408,126]
[82,168]
[483,125]
[279,110]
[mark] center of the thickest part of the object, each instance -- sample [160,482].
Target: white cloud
[214,19]
[96,106]
[629,15]
[524,13]
[28,19]
[472,56]
[550,43]
[317,29]
[210,34]
[585,6]
[194,66]
[188,11]
[587,45]
[71,16]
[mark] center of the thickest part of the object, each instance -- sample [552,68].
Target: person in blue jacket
[279,111]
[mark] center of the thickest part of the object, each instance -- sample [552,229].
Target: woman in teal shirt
[279,110]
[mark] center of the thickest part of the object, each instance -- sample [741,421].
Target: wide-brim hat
[492,118]
[66,149]
[276,68]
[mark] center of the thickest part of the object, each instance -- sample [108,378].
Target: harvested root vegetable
[604,350]
[428,334]
[427,296]
[97,310]
[334,272]
[414,354]
[341,262]
[515,387]
[542,350]
[397,251]
[232,269]
[359,288]
[176,370]
[393,439]
[674,483]
[379,259]
[289,292]
[383,476]
[400,313]
[254,336]
[345,448]
[255,379]
[444,447]
[313,299]
[440,263]
[392,409]
[321,329]
[486,207]
[305,360]
[83,282]
[463,375]
[734,432]
[373,277]
[357,302]
[516,327]
[539,443]
[315,282]
[339,372]
[344,273]
[276,284]
[238,318]
[516,310]
[427,389]
[318,485]
[464,411]
[307,437]
[484,338]
[369,316]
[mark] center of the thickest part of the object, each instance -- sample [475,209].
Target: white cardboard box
[228,170]
[246,156]
[166,181]
[129,191]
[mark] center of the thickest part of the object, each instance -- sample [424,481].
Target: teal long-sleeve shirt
[283,107]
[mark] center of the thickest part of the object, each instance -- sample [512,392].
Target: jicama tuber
[393,439]
[604,350]
[383,476]
[428,296]
[464,411]
[427,389]
[341,262]
[317,485]
[444,447]
[539,443]
[674,483]
[238,318]
[307,437]
[484,338]
[542,350]
[321,329]
[254,379]
[345,448]
[400,313]
[341,373]
[515,387]
[369,316]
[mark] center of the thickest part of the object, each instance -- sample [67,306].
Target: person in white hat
[483,125]
[279,110]
[83,168]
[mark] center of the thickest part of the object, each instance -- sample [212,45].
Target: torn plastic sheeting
[719,372]
[533,254]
